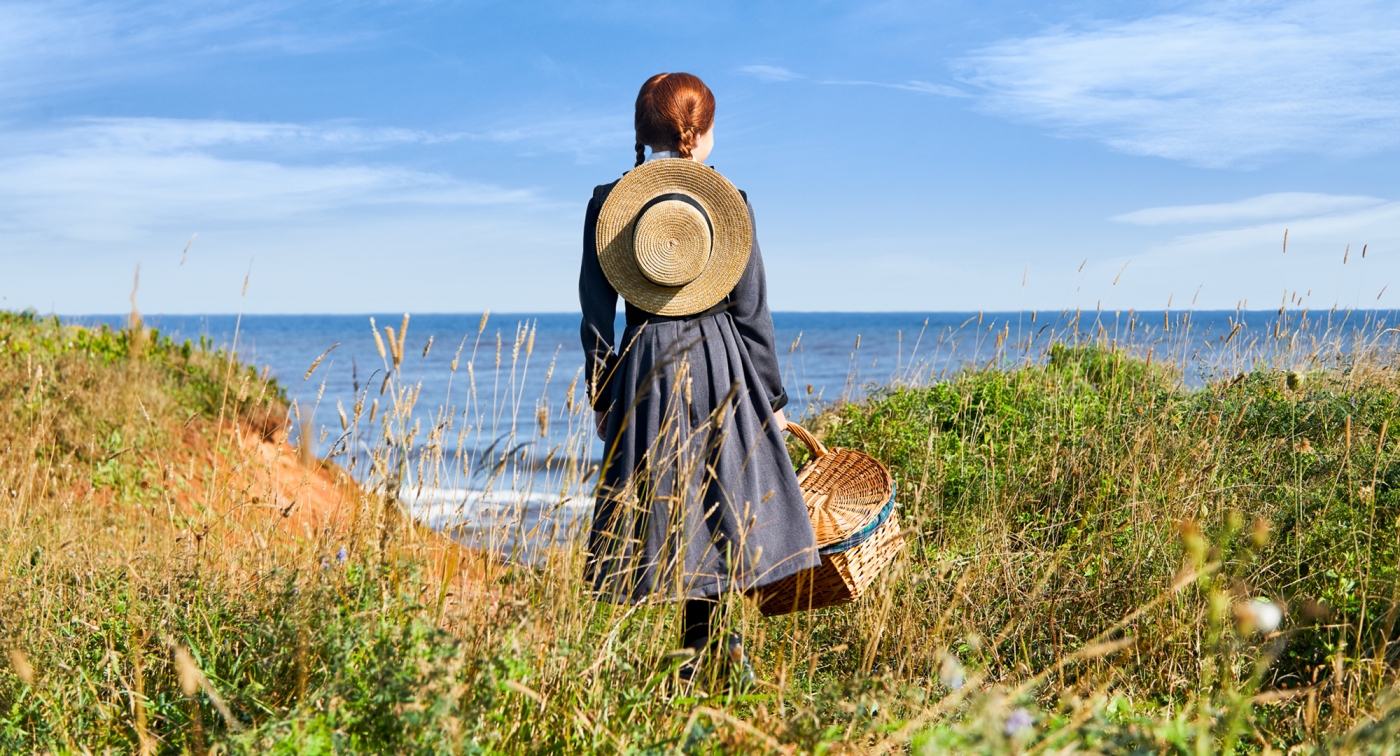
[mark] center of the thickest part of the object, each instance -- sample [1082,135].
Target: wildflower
[1294,380]
[1303,447]
[340,555]
[951,673]
[1260,615]
[1018,721]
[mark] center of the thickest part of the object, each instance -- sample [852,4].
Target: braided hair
[673,109]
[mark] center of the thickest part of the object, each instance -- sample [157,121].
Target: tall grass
[1092,543]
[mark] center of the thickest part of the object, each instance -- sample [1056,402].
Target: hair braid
[686,143]
[673,109]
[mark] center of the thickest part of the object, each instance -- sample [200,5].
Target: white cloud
[913,85]
[114,179]
[54,45]
[582,136]
[1338,257]
[167,135]
[1233,83]
[769,73]
[1377,227]
[332,228]
[1264,207]
[775,74]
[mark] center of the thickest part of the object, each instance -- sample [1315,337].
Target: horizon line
[479,313]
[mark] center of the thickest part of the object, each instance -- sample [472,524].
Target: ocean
[522,366]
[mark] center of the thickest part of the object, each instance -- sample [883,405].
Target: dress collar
[659,154]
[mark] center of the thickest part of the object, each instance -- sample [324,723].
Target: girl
[697,496]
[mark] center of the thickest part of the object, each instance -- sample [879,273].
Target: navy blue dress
[697,495]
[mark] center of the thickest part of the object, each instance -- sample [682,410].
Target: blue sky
[943,155]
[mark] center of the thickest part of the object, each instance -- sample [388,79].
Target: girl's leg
[704,621]
[701,617]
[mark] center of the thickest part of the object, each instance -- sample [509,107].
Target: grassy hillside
[1055,501]
[1090,546]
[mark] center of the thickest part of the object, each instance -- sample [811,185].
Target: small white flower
[1263,614]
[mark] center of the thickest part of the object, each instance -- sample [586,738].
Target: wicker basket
[850,498]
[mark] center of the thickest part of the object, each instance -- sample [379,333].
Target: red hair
[673,108]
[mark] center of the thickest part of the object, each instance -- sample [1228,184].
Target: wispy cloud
[769,73]
[1223,84]
[1281,205]
[314,203]
[776,74]
[1316,246]
[165,135]
[922,87]
[56,45]
[1340,251]
[115,179]
[584,136]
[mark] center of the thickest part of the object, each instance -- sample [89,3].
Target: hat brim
[729,254]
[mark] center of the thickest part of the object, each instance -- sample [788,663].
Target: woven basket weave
[850,498]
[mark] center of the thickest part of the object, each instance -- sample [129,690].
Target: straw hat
[674,237]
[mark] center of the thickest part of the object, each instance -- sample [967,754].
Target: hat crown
[674,237]
[673,242]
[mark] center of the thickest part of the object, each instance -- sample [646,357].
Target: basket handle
[807,439]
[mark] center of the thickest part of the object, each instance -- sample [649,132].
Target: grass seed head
[394,346]
[188,671]
[19,662]
[378,342]
[1193,540]
[1259,534]
[403,334]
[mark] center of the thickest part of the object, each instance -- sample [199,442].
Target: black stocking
[701,617]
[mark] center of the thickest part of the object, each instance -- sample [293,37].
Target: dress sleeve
[598,299]
[748,305]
